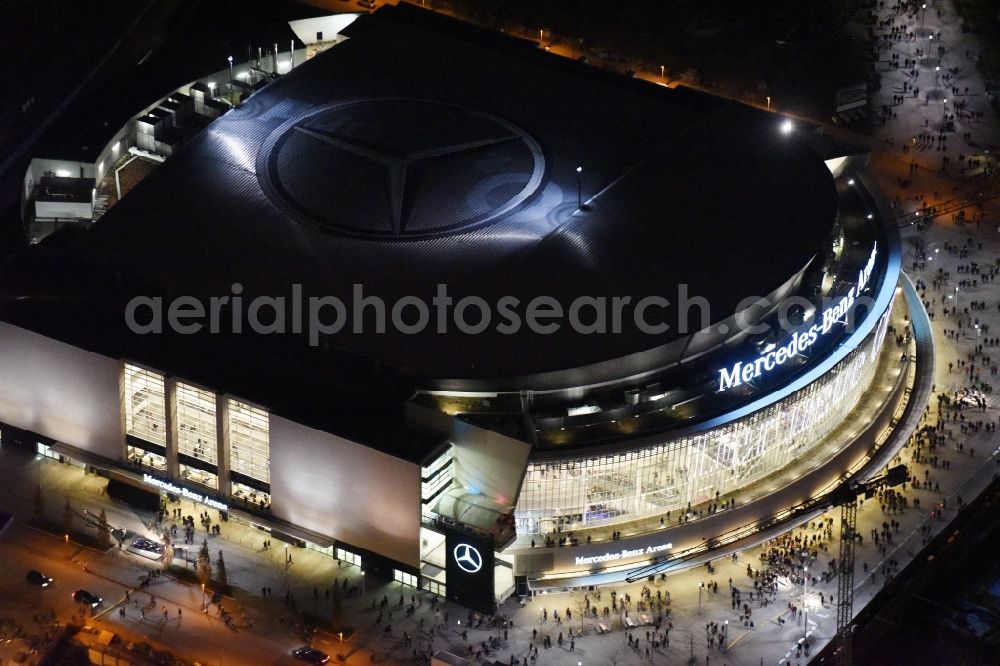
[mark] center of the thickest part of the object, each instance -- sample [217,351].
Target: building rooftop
[424,151]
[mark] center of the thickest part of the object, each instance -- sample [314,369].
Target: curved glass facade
[616,487]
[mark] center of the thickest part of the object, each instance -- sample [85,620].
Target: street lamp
[701,587]
[579,188]
[944,110]
[362,582]
[805,605]
[204,606]
[231,81]
[923,11]
[768,102]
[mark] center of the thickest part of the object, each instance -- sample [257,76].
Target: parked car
[311,655]
[84,597]
[37,578]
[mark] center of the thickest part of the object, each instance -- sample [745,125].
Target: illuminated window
[145,405]
[249,447]
[150,459]
[349,557]
[199,476]
[404,578]
[196,423]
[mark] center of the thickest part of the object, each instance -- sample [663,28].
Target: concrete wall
[60,391]
[345,490]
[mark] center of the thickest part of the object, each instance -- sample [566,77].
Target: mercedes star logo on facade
[468,558]
[398,169]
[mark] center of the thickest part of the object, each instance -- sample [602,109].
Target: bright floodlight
[850,182]
[786,127]
[579,169]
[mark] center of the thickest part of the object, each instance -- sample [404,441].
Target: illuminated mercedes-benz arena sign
[384,163]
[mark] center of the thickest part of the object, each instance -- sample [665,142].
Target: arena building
[587,321]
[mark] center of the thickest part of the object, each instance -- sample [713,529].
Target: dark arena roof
[424,151]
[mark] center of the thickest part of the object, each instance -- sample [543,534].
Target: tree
[220,570]
[168,553]
[68,517]
[39,503]
[103,530]
[204,566]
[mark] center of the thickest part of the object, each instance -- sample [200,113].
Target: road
[190,633]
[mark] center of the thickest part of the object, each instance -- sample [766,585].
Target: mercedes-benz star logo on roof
[468,558]
[395,168]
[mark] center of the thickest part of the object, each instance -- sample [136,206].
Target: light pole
[923,11]
[231,81]
[579,188]
[805,606]
[944,110]
[204,606]
[768,102]
[701,587]
[663,74]
[362,582]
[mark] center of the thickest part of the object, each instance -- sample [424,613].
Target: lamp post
[231,81]
[204,606]
[579,188]
[944,110]
[768,102]
[701,587]
[923,11]
[663,74]
[362,582]
[805,606]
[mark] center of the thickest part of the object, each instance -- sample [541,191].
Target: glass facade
[249,447]
[617,487]
[196,427]
[146,458]
[145,405]
[250,497]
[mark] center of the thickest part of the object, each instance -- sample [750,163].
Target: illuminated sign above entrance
[184,492]
[623,554]
[801,341]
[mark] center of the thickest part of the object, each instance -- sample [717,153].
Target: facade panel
[60,391]
[345,491]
